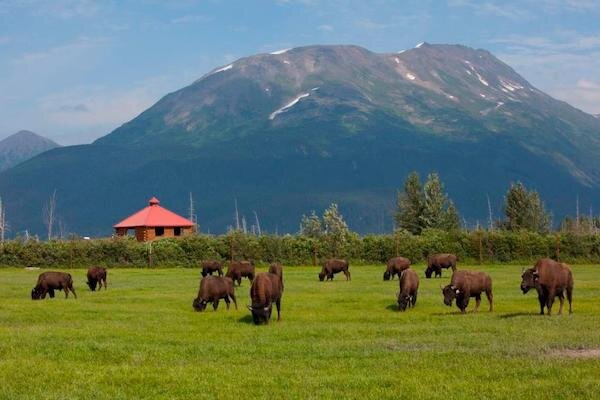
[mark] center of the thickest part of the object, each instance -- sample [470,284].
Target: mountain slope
[289,132]
[22,146]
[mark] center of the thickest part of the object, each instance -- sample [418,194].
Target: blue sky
[73,70]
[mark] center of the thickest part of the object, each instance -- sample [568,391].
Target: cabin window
[159,231]
[177,231]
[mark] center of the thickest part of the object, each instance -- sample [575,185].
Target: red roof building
[154,222]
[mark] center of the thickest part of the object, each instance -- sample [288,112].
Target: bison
[50,281]
[241,269]
[277,269]
[212,290]
[208,267]
[395,266]
[436,262]
[467,284]
[409,286]
[334,266]
[96,276]
[266,289]
[551,279]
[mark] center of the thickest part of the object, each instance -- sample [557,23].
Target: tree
[3,224]
[524,210]
[49,213]
[452,218]
[435,203]
[336,229]
[311,225]
[410,205]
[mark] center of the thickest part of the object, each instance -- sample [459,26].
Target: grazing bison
[334,266]
[436,262]
[96,276]
[208,267]
[266,289]
[467,284]
[48,282]
[409,286]
[240,269]
[277,269]
[395,266]
[551,279]
[212,289]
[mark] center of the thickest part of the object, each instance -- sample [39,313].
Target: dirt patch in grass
[576,353]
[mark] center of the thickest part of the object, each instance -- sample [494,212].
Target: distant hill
[294,130]
[22,146]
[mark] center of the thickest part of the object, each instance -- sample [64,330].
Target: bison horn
[249,307]
[457,291]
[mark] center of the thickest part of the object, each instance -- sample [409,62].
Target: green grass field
[142,339]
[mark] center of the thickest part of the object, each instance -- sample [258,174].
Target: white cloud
[325,28]
[59,52]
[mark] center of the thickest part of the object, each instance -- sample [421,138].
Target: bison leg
[438,273]
[490,298]
[414,299]
[347,273]
[570,298]
[226,298]
[215,304]
[72,290]
[550,301]
[542,300]
[220,271]
[50,293]
[251,277]
[561,299]
[278,305]
[477,302]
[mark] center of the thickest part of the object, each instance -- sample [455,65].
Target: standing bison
[409,286]
[395,266]
[96,276]
[240,269]
[212,290]
[332,267]
[266,289]
[277,269]
[467,284]
[551,279]
[209,267]
[436,262]
[48,282]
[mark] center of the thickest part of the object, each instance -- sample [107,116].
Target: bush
[471,247]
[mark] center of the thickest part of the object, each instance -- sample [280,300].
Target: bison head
[528,279]
[403,301]
[428,272]
[36,294]
[321,276]
[92,284]
[387,275]
[199,304]
[260,314]
[450,292]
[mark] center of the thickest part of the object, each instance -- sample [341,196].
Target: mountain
[291,131]
[22,146]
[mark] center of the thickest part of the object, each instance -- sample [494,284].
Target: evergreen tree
[410,205]
[311,225]
[524,210]
[452,219]
[435,203]
[336,229]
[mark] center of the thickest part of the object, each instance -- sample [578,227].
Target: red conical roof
[154,215]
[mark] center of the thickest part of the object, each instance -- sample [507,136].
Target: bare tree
[49,213]
[490,214]
[237,216]
[257,224]
[62,228]
[244,227]
[193,216]
[3,224]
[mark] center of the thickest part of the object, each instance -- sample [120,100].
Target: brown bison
[436,262]
[96,276]
[208,267]
[266,289]
[551,279]
[48,282]
[467,284]
[241,269]
[395,266]
[212,290]
[409,286]
[334,266]
[277,269]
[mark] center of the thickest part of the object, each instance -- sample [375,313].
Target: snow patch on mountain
[278,52]
[288,106]
[225,68]
[419,45]
[397,60]
[411,76]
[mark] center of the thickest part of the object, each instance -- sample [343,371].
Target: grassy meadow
[142,339]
